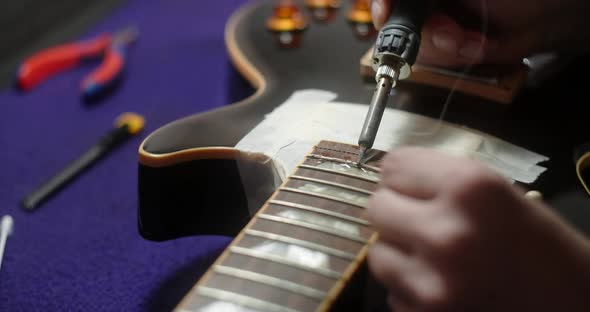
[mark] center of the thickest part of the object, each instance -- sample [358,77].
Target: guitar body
[192,181]
[192,160]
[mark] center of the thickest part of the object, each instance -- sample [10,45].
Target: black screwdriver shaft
[61,179]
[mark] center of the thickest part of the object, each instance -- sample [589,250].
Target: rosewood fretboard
[303,245]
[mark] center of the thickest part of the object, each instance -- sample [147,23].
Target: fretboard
[304,244]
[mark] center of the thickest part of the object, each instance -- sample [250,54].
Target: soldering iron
[395,51]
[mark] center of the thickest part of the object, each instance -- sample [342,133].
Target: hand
[514,29]
[454,236]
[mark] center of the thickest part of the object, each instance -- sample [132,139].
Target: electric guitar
[301,242]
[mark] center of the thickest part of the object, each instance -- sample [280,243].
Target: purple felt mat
[81,250]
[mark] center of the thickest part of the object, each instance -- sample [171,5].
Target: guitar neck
[303,246]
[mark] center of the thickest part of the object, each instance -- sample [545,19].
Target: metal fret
[271,281]
[315,227]
[334,198]
[320,210]
[339,185]
[344,161]
[294,241]
[273,258]
[242,300]
[338,172]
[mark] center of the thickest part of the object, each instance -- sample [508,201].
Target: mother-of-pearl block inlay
[217,306]
[349,169]
[298,254]
[355,197]
[317,219]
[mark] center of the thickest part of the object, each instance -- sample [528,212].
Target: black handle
[400,36]
[409,13]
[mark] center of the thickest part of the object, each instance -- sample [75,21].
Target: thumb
[380,12]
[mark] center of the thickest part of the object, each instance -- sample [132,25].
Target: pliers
[53,60]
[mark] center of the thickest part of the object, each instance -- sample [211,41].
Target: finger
[411,282]
[445,43]
[416,172]
[390,267]
[380,12]
[398,219]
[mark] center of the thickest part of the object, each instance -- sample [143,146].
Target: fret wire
[339,185]
[315,227]
[319,210]
[242,300]
[334,198]
[269,257]
[264,305]
[294,241]
[338,172]
[344,161]
[271,281]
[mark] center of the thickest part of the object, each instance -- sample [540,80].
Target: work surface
[81,250]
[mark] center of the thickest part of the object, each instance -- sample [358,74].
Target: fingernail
[471,49]
[377,13]
[444,42]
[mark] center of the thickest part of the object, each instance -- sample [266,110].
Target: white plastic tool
[5,231]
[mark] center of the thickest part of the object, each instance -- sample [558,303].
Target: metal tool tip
[362,152]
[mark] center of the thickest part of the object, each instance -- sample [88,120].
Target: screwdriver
[395,51]
[126,126]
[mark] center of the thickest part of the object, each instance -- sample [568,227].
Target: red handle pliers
[48,62]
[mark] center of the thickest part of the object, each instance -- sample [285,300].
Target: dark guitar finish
[187,188]
[329,59]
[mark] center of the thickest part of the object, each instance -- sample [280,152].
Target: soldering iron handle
[401,33]
[409,13]
[396,50]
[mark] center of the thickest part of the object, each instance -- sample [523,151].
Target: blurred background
[81,250]
[27,25]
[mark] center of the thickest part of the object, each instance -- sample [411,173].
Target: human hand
[454,236]
[499,31]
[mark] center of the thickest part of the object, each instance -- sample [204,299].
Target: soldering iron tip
[362,152]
